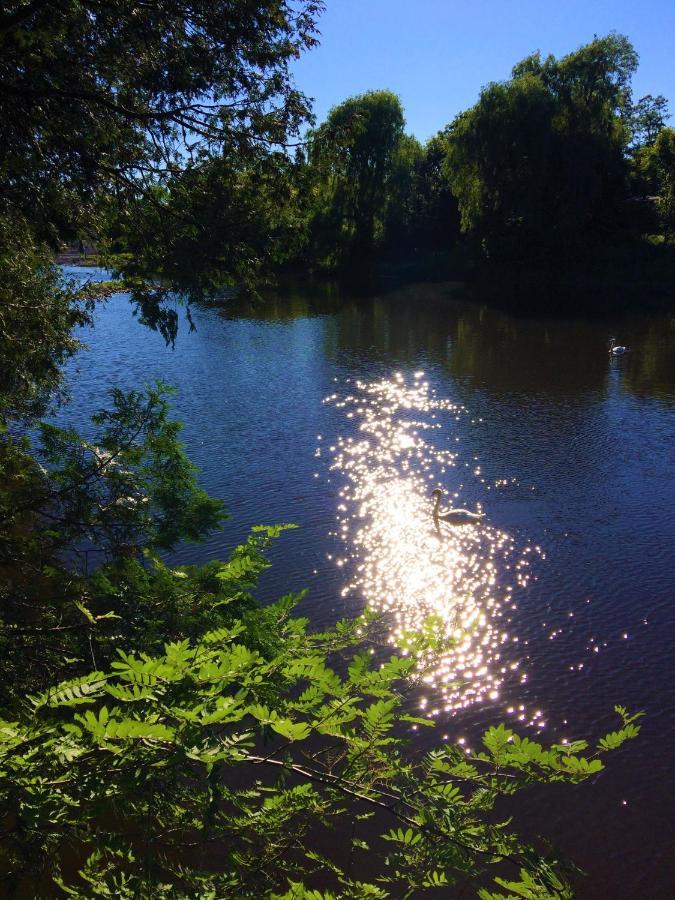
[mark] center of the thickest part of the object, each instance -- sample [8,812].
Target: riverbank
[78,254]
[630,275]
[633,274]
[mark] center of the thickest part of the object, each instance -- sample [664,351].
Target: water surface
[342,414]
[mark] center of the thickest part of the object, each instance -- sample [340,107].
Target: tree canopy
[659,163]
[223,222]
[109,112]
[648,118]
[112,96]
[538,164]
[351,156]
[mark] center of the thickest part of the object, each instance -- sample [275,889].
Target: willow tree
[498,164]
[538,164]
[351,158]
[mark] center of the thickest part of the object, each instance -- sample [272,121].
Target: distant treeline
[557,166]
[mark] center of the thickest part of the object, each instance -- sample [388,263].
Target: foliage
[220,766]
[497,164]
[130,487]
[107,97]
[438,222]
[654,174]
[222,223]
[37,315]
[663,156]
[420,213]
[648,118]
[124,492]
[594,80]
[351,158]
[104,103]
[400,217]
[538,165]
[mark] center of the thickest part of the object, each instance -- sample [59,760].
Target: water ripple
[458,580]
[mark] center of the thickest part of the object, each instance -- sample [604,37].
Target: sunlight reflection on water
[461,580]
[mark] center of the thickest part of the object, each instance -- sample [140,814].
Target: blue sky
[437,54]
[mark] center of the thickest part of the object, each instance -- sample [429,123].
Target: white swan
[616,349]
[452,516]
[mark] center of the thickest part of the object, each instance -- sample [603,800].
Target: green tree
[661,166]
[109,97]
[351,158]
[224,222]
[498,165]
[538,164]
[648,118]
[38,313]
[438,216]
[103,103]
[401,215]
[420,214]
[122,494]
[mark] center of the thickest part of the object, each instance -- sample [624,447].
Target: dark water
[341,415]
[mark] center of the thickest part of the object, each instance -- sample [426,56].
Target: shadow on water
[493,349]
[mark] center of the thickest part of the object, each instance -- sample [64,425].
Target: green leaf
[399,836]
[379,715]
[75,692]
[435,879]
[85,612]
[496,740]
[615,739]
[294,731]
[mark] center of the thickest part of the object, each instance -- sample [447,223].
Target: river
[341,414]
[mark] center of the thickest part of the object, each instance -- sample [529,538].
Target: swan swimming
[616,349]
[452,516]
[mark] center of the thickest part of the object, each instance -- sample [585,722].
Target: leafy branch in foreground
[131,486]
[107,98]
[38,312]
[222,766]
[114,500]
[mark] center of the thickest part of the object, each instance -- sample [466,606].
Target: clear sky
[437,54]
